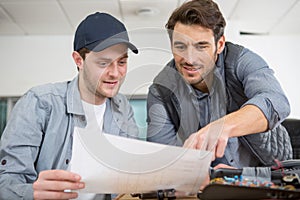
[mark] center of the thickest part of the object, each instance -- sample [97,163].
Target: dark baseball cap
[99,31]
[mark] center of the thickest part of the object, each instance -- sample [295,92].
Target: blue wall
[140,115]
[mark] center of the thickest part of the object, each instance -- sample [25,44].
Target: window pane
[3,113]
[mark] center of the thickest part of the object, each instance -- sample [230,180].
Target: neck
[88,96]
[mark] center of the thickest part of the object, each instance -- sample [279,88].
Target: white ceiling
[61,17]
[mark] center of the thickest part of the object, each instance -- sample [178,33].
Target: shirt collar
[74,104]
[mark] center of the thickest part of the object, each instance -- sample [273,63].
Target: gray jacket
[241,77]
[38,135]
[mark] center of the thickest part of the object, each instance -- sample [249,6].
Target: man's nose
[113,69]
[191,56]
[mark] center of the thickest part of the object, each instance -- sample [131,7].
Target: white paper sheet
[113,164]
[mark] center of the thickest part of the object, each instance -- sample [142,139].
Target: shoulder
[45,95]
[56,89]
[167,72]
[241,53]
[242,60]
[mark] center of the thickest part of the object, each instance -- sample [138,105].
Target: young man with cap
[36,145]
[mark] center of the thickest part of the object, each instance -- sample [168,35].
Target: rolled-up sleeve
[262,88]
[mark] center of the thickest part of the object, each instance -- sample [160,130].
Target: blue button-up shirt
[38,135]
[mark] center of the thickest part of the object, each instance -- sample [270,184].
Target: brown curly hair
[204,13]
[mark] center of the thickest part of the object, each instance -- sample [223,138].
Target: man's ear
[221,44]
[77,59]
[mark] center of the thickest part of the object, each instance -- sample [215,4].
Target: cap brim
[110,42]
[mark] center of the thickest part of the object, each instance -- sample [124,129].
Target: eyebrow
[202,43]
[177,42]
[109,59]
[197,43]
[124,56]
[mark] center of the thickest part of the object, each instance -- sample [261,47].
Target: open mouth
[191,68]
[112,83]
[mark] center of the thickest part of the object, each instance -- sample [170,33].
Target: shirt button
[67,161]
[3,162]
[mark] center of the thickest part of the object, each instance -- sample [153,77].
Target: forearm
[262,88]
[12,188]
[247,120]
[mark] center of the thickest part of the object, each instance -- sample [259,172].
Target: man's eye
[103,64]
[122,63]
[179,47]
[200,47]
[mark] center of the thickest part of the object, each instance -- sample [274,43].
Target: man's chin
[111,94]
[193,81]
